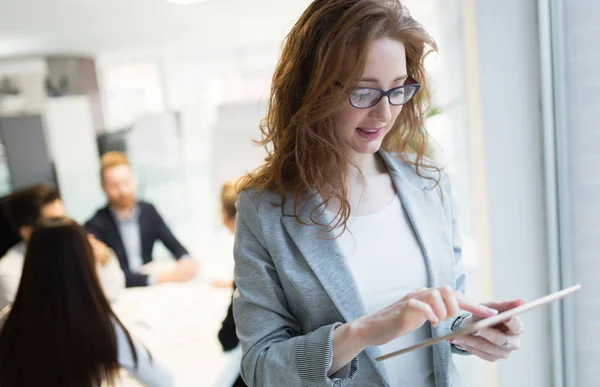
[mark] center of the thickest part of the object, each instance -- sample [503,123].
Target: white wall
[72,143]
[507,43]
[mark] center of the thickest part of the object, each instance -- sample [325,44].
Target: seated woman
[61,330]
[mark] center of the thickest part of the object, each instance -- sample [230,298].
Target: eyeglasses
[366,97]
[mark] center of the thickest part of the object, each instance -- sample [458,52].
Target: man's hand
[184,270]
[222,284]
[100,250]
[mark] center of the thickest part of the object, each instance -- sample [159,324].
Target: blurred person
[131,227]
[228,212]
[23,208]
[346,245]
[61,331]
[8,236]
[227,334]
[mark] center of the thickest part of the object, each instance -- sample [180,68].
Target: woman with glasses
[346,245]
[61,330]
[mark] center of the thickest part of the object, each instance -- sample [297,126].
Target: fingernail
[451,341]
[476,333]
[492,311]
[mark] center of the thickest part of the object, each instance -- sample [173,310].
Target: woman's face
[363,130]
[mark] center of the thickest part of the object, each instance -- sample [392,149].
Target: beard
[123,202]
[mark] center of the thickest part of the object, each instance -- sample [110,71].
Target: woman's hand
[398,319]
[411,312]
[497,342]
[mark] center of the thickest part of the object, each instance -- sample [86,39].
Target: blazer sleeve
[166,236]
[275,352]
[93,227]
[134,280]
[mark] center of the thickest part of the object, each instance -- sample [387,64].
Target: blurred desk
[179,325]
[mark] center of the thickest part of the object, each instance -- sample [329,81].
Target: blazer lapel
[116,237]
[324,257]
[146,241]
[422,205]
[328,263]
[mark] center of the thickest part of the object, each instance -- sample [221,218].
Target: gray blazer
[294,286]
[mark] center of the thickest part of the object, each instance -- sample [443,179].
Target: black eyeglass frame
[413,86]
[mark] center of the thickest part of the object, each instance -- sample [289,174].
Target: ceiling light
[185,2]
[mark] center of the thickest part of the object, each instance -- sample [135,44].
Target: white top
[387,263]
[110,275]
[148,371]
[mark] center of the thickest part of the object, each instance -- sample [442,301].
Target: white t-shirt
[387,263]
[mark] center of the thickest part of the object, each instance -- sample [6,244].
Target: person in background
[227,334]
[8,236]
[60,330]
[131,227]
[23,208]
[228,212]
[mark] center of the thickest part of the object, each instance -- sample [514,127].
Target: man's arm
[131,279]
[134,280]
[166,236]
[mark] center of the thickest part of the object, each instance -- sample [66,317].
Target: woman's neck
[369,186]
[364,165]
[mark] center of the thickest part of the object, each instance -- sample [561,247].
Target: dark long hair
[60,330]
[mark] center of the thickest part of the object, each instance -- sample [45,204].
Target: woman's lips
[369,133]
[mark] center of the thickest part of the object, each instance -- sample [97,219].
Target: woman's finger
[435,300]
[415,293]
[478,353]
[499,338]
[483,345]
[492,335]
[424,309]
[515,326]
[475,307]
[449,296]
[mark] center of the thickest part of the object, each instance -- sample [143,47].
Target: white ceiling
[109,27]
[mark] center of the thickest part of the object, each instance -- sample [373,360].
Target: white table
[179,325]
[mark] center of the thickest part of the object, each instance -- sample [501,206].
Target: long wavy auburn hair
[323,58]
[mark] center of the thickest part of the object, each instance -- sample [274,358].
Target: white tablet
[486,323]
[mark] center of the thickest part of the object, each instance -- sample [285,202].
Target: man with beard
[131,227]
